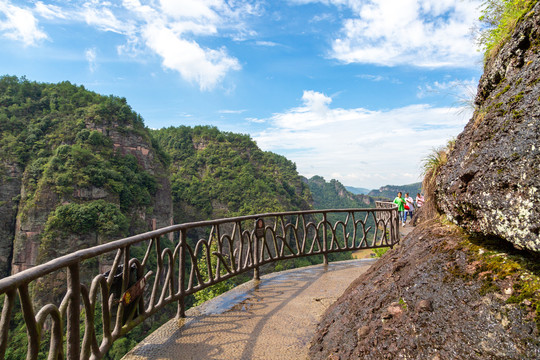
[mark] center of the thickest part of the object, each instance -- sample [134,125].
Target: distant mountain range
[357,190]
[390,191]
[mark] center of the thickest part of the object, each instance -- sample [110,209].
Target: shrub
[432,165]
[498,20]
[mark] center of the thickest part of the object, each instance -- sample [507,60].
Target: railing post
[73,313]
[30,320]
[181,312]
[256,275]
[325,239]
[9,300]
[397,232]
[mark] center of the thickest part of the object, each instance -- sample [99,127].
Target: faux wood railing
[178,260]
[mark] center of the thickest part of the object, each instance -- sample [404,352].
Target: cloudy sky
[354,90]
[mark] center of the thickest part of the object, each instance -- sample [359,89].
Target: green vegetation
[504,90]
[380,251]
[433,161]
[333,195]
[62,137]
[437,158]
[216,289]
[403,303]
[498,20]
[432,165]
[501,264]
[218,174]
[59,135]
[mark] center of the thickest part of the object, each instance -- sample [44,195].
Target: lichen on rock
[489,184]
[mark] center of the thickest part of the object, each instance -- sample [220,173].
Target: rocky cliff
[10,183]
[76,169]
[491,182]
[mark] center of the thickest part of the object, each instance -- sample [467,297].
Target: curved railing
[167,265]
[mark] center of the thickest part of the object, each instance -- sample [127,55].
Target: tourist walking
[401,207]
[419,200]
[410,204]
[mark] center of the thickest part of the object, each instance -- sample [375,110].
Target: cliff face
[10,183]
[76,169]
[33,215]
[491,182]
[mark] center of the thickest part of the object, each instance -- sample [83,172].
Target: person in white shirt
[419,200]
[410,203]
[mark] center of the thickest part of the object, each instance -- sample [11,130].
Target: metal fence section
[148,271]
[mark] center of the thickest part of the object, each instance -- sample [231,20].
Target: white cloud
[207,67]
[168,31]
[103,18]
[20,24]
[172,29]
[375,78]
[196,9]
[266,43]
[425,33]
[91,55]
[225,111]
[461,90]
[378,78]
[357,146]
[49,11]
[255,120]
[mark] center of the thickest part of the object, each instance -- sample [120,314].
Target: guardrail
[200,254]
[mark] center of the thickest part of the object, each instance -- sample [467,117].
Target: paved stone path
[274,318]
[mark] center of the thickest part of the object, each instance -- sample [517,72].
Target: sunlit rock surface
[425,300]
[491,182]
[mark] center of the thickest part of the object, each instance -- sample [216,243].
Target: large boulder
[491,182]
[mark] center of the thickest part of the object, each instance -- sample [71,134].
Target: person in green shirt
[401,207]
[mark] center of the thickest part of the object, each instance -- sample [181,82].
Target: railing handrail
[239,250]
[37,271]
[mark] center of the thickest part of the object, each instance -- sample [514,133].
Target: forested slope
[333,195]
[76,169]
[218,174]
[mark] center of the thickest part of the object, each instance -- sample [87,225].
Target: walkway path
[274,318]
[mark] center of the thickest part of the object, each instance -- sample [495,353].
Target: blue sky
[354,90]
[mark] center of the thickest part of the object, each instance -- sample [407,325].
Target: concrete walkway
[274,318]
